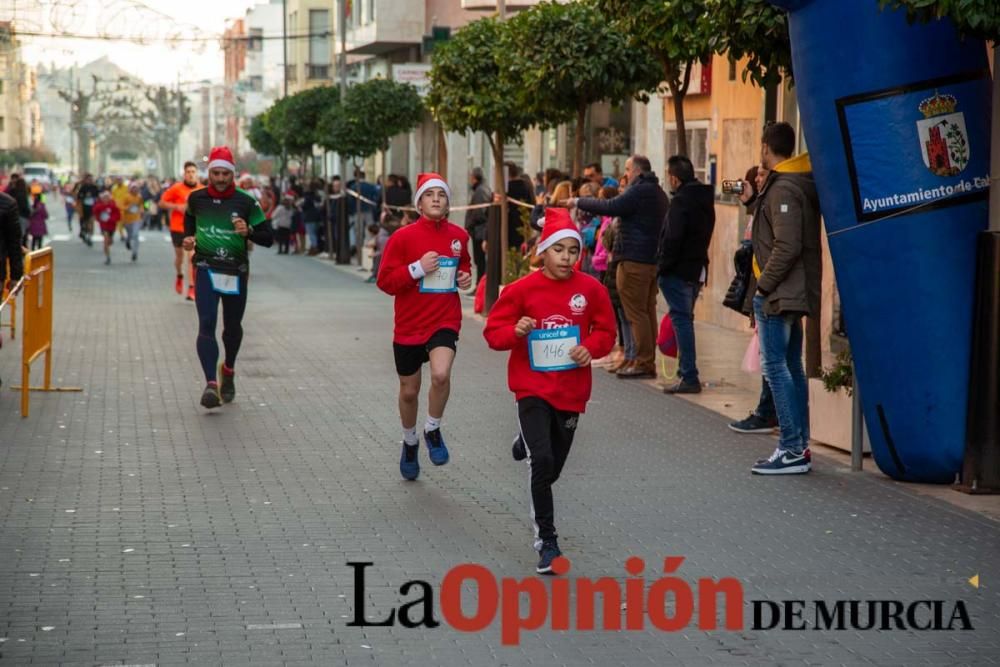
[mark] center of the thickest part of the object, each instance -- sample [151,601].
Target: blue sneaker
[436,448]
[783,462]
[548,553]
[409,466]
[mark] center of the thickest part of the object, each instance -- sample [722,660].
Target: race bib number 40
[444,279]
[548,349]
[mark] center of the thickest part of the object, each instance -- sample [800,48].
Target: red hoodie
[420,314]
[579,300]
[107,215]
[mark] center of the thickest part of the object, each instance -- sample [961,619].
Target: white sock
[410,436]
[432,424]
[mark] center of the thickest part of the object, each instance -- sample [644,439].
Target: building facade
[20,113]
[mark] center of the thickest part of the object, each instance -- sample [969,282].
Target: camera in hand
[732,187]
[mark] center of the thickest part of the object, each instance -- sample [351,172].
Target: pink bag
[667,340]
[751,359]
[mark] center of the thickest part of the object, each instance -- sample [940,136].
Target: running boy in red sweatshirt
[424,265]
[554,322]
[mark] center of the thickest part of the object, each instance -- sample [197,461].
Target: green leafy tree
[976,18]
[261,139]
[372,114]
[472,92]
[577,59]
[294,121]
[758,31]
[676,34]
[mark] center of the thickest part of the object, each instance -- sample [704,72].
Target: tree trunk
[581,120]
[501,188]
[678,91]
[496,232]
[83,149]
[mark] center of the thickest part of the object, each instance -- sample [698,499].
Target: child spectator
[281,218]
[37,227]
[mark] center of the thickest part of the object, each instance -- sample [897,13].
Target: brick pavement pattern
[135,528]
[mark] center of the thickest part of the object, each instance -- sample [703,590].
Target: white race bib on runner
[223,283]
[548,349]
[444,279]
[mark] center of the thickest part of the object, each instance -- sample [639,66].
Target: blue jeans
[625,330]
[312,231]
[132,229]
[781,360]
[765,406]
[680,296]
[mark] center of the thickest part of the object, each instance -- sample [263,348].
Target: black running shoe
[227,386]
[548,553]
[754,424]
[518,450]
[210,397]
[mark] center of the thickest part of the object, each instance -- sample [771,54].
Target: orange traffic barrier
[7,299]
[39,271]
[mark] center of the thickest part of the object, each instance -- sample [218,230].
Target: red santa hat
[558,225]
[221,158]
[427,181]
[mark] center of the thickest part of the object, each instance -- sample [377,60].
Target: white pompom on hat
[427,181]
[558,225]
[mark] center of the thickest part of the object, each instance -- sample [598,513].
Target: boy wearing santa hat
[219,222]
[423,266]
[554,322]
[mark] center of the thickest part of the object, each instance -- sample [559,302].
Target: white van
[41,172]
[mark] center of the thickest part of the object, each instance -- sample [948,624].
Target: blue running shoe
[409,466]
[548,553]
[784,462]
[436,448]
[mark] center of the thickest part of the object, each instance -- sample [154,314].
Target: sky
[168,56]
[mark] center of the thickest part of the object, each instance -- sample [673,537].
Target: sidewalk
[138,529]
[733,393]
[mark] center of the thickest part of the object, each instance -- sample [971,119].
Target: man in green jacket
[787,266]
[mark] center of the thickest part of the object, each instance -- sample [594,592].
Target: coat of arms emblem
[944,141]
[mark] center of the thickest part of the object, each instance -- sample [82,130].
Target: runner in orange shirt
[175,200]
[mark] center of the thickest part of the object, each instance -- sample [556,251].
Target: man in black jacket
[683,262]
[475,219]
[10,241]
[641,209]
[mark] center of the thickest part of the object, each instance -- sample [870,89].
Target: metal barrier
[39,271]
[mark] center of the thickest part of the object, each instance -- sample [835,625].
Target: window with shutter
[697,139]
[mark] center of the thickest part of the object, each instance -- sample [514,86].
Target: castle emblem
[944,141]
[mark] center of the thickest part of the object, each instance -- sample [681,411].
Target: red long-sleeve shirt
[420,314]
[580,300]
[107,215]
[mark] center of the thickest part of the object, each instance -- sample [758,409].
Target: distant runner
[174,199]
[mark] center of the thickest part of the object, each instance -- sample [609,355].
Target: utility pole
[343,246]
[284,61]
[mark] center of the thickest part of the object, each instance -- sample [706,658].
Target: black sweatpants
[548,436]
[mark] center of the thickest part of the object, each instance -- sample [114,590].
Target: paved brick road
[136,529]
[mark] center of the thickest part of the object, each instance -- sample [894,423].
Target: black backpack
[737,293]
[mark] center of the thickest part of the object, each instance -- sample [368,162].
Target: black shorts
[409,358]
[177,238]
